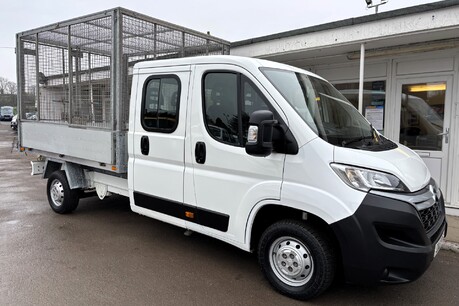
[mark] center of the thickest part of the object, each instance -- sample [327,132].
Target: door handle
[200,152]
[145,145]
[446,134]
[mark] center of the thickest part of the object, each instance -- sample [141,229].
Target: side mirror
[260,133]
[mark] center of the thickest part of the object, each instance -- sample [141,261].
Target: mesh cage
[91,45]
[53,82]
[28,79]
[66,70]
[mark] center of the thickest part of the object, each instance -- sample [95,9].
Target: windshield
[327,112]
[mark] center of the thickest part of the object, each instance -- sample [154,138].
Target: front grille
[430,215]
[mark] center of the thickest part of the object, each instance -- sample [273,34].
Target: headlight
[364,179]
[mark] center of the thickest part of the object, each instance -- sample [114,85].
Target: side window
[229,100]
[221,106]
[161,104]
[253,101]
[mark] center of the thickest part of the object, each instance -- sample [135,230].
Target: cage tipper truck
[264,156]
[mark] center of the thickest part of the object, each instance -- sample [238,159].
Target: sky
[232,20]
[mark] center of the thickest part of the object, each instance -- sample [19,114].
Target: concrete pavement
[452,238]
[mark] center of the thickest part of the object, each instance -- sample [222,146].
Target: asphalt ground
[104,254]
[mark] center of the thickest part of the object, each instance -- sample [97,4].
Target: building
[410,62]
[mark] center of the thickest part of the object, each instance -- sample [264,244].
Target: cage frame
[118,69]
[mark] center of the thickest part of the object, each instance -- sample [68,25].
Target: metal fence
[78,72]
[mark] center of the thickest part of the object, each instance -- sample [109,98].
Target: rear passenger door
[157,167]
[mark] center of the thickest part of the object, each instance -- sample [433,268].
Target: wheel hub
[291,261]
[57,192]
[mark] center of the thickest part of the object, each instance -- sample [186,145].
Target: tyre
[298,260]
[61,198]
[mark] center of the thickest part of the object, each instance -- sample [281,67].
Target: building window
[161,104]
[422,115]
[374,100]
[229,100]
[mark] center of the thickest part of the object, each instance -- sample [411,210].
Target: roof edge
[349,22]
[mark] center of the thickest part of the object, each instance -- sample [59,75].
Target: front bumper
[391,238]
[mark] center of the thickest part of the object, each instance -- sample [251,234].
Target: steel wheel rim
[56,191]
[291,261]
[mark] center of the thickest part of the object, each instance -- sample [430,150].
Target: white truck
[264,156]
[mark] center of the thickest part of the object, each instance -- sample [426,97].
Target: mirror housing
[260,133]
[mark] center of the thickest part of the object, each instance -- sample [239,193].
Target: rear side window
[160,107]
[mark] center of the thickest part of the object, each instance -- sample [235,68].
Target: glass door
[423,107]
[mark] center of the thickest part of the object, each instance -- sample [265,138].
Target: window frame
[177,111]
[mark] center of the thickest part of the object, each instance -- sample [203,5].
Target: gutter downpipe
[362,69]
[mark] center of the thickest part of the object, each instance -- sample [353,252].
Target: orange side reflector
[189,214]
[114,168]
[22,149]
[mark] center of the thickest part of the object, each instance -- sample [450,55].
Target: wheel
[298,260]
[61,198]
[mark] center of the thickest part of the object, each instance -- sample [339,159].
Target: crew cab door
[227,181]
[156,161]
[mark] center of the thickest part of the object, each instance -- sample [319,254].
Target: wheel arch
[51,166]
[270,213]
[73,172]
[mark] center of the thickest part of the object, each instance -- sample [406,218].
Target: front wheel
[61,198]
[298,260]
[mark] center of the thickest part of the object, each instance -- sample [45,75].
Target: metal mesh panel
[52,78]
[76,89]
[91,44]
[28,78]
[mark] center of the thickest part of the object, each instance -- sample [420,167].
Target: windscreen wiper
[357,139]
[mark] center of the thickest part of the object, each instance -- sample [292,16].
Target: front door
[227,181]
[423,108]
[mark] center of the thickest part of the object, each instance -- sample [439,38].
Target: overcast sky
[232,20]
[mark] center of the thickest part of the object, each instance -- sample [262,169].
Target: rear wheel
[61,198]
[298,260]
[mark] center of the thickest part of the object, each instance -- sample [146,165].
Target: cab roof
[245,62]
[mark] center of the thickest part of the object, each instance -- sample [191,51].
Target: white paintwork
[230,181]
[89,144]
[161,172]
[401,162]
[312,186]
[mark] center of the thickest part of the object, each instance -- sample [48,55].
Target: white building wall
[431,23]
